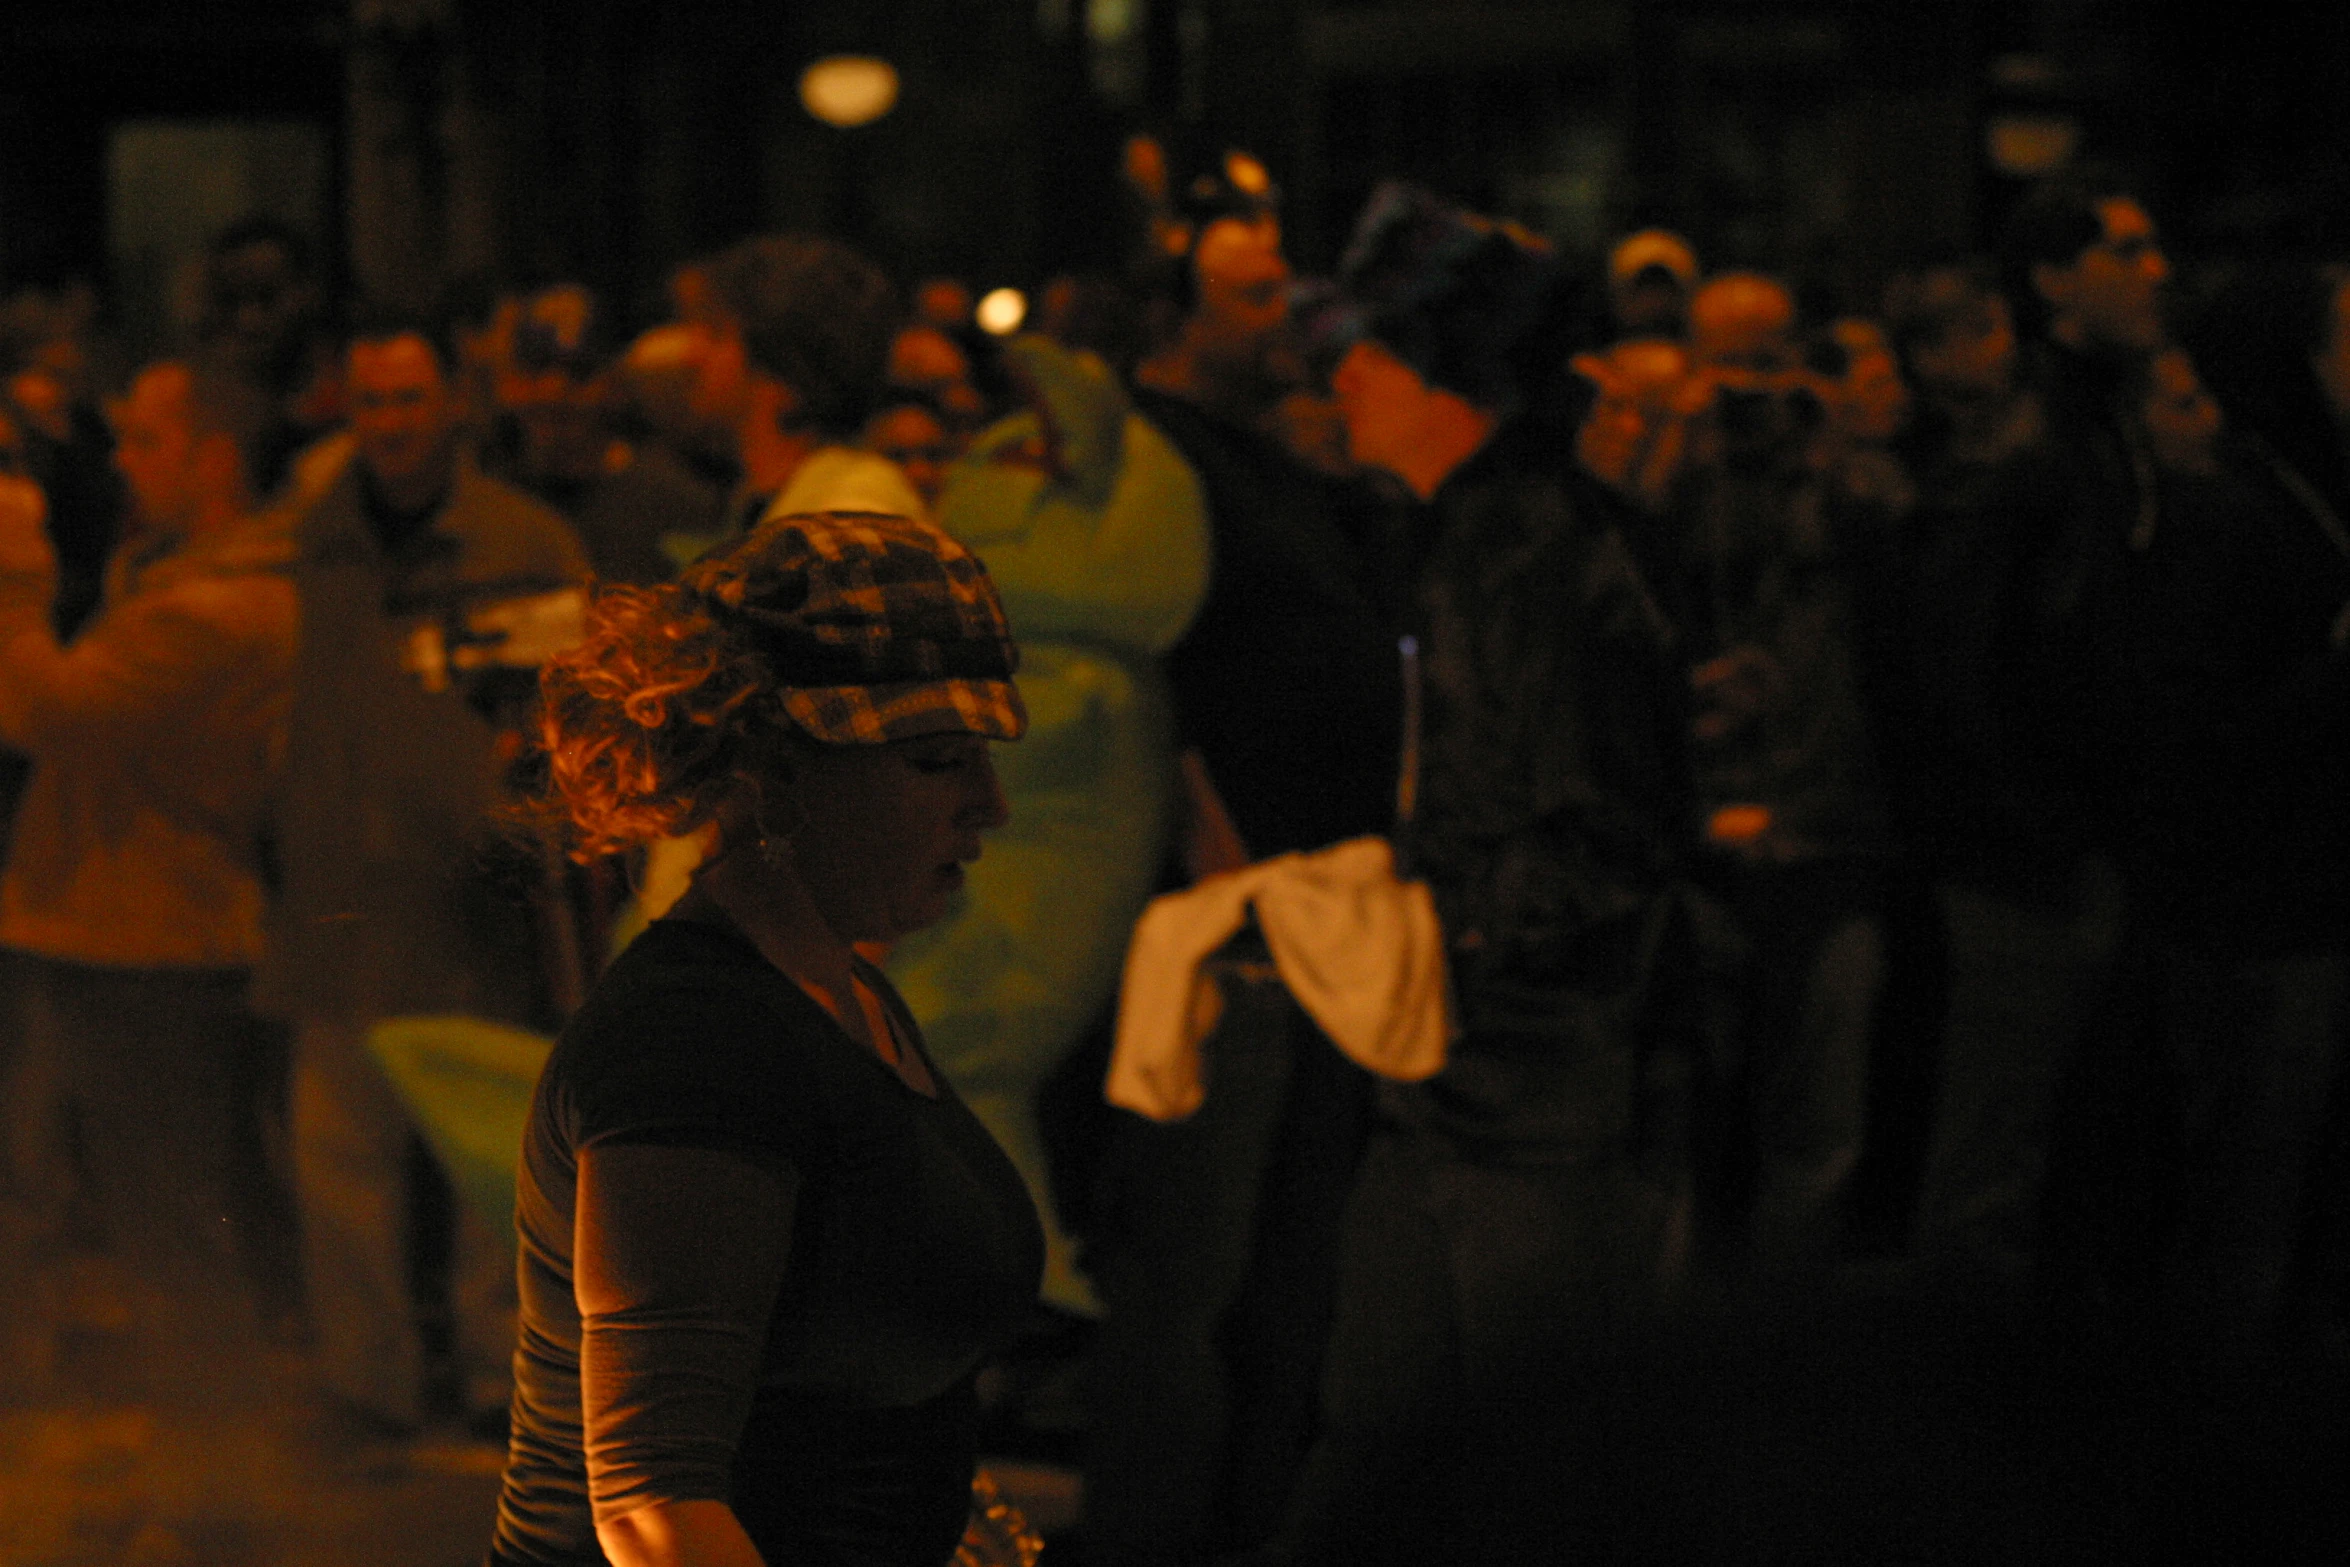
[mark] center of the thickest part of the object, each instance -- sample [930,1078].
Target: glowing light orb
[848,90]
[1001,311]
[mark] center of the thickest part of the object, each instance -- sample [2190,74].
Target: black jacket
[1287,681]
[1555,810]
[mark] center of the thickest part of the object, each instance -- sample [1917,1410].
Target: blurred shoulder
[506,531]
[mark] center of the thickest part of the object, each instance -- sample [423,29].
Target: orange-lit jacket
[155,735]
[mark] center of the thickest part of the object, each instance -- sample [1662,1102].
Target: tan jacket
[401,892]
[155,736]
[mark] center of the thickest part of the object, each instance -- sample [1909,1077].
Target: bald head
[1743,318]
[660,374]
[1241,308]
[663,358]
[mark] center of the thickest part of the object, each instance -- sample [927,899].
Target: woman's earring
[775,846]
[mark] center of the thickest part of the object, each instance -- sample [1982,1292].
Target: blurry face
[2182,420]
[1381,399]
[659,376]
[924,356]
[912,437]
[1240,321]
[41,398]
[928,360]
[1609,442]
[1621,440]
[561,418]
[721,385]
[1312,429]
[888,829]
[403,416]
[156,451]
[258,300]
[1875,401]
[943,302]
[1743,320]
[2111,294]
[1654,301]
[1975,355]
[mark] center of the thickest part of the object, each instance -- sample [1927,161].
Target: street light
[1002,311]
[849,90]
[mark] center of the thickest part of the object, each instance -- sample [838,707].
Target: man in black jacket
[1516,1216]
[2190,690]
[2014,593]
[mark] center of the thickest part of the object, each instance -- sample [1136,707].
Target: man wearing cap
[1514,1215]
[428,590]
[1650,276]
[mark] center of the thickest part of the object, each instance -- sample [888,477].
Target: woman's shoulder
[693,975]
[688,1025]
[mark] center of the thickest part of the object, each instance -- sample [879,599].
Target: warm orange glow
[1002,311]
[848,90]
[1738,823]
[2026,146]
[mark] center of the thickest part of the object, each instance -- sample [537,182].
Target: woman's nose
[986,807]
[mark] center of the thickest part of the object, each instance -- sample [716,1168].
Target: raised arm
[141,673]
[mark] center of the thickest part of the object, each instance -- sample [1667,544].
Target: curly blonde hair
[650,718]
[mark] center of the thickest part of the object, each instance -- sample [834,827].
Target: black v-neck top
[907,1249]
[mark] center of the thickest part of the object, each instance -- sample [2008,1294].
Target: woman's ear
[762,805]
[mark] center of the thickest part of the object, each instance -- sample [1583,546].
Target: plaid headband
[876,627]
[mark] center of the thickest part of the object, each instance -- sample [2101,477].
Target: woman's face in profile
[888,829]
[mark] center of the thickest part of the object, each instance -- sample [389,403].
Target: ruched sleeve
[680,1252]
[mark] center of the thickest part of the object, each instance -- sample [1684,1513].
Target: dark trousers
[1789,1109]
[1489,1316]
[137,1135]
[2185,1132]
[2027,975]
[1216,1268]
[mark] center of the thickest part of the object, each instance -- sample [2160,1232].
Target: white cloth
[1361,951]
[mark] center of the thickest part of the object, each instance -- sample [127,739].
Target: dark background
[611,139]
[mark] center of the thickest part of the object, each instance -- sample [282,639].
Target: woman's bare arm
[678,1534]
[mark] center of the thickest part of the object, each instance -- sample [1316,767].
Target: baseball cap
[877,627]
[1662,248]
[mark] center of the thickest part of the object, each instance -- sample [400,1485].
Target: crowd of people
[1879,780]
